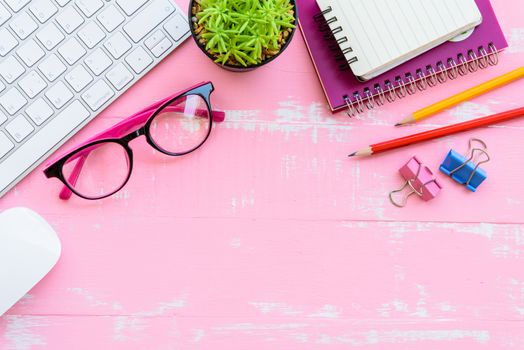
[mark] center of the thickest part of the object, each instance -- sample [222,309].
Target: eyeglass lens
[102,169]
[98,170]
[181,126]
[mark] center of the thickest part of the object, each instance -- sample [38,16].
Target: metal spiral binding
[441,75]
[380,98]
[402,86]
[319,17]
[331,31]
[425,78]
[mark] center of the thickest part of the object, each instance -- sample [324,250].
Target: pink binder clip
[420,180]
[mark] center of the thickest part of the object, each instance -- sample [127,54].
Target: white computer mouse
[29,248]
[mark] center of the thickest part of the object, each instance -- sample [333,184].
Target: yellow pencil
[463,96]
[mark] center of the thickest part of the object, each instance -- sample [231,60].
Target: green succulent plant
[243,32]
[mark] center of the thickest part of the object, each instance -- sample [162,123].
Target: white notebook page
[386,33]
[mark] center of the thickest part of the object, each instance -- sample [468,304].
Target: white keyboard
[63,61]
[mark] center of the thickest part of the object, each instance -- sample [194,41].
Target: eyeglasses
[175,126]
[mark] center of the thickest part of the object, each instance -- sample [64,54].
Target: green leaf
[241,31]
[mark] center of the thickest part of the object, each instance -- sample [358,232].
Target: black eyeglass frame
[203,90]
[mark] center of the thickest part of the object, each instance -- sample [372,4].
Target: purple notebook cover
[337,83]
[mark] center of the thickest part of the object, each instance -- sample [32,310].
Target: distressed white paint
[22,332]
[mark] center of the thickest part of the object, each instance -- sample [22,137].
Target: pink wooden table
[270,238]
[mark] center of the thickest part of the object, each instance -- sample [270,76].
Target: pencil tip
[399,124]
[352,154]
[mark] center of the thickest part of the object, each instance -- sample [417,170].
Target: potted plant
[242,34]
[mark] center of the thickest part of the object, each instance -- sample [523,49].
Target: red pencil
[432,134]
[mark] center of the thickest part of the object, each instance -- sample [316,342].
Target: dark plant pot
[237,68]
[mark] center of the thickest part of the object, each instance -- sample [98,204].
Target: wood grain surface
[269,237]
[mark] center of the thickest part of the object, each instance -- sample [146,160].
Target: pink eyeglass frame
[128,129]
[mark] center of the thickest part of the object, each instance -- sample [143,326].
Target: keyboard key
[23,25]
[12,101]
[154,39]
[89,7]
[69,19]
[117,45]
[51,67]
[4,14]
[139,60]
[98,61]
[71,51]
[11,69]
[162,47]
[85,74]
[78,78]
[43,10]
[16,5]
[7,41]
[110,18]
[30,53]
[98,94]
[3,118]
[177,27]
[19,128]
[5,144]
[119,76]
[39,111]
[53,133]
[145,21]
[59,94]
[91,34]
[32,84]
[130,6]
[50,36]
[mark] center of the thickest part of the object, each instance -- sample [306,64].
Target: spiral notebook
[373,45]
[447,61]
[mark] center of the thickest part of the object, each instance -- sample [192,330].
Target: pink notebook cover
[342,88]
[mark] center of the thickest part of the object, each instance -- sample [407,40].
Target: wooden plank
[269,237]
[236,333]
[220,267]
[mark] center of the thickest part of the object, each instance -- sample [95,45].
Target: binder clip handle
[470,162]
[473,160]
[404,201]
[419,179]
[477,164]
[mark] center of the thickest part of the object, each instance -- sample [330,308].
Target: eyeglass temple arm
[121,129]
[118,130]
[65,193]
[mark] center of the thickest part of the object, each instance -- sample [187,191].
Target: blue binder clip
[465,169]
